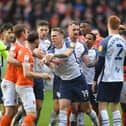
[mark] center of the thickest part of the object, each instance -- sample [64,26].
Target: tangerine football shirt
[10,73]
[24,55]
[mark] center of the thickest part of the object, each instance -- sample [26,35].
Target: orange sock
[68,116]
[124,118]
[28,120]
[5,120]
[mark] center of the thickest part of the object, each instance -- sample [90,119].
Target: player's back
[115,51]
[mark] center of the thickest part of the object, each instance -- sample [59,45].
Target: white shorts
[123,93]
[9,93]
[27,97]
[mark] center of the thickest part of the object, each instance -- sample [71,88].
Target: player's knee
[39,104]
[10,112]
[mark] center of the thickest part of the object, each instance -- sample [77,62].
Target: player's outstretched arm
[30,74]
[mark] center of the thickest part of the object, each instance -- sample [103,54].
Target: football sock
[116,118]
[53,119]
[104,118]
[5,120]
[73,119]
[28,120]
[80,119]
[93,117]
[1,114]
[62,118]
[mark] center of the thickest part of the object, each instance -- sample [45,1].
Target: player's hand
[46,76]
[94,86]
[46,59]
[58,61]
[43,61]
[49,57]
[38,52]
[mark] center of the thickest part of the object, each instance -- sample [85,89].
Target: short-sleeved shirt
[113,49]
[89,72]
[24,55]
[10,73]
[70,68]
[79,51]
[3,51]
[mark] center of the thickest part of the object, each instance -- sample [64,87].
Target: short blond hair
[58,29]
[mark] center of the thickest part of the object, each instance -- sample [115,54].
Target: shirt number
[120,49]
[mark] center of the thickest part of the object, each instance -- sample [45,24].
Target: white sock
[73,117]
[53,118]
[104,118]
[1,114]
[80,119]
[94,117]
[116,118]
[62,118]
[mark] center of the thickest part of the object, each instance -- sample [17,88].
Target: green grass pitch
[48,106]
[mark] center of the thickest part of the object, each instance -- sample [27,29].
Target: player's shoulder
[82,44]
[94,49]
[2,45]
[117,39]
[14,46]
[45,41]
[104,42]
[106,39]
[23,50]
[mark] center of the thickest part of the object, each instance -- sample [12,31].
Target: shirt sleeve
[103,46]
[99,67]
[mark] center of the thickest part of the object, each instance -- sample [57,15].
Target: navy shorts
[39,89]
[75,90]
[109,91]
[56,87]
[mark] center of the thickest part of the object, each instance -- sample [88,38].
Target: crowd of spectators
[60,12]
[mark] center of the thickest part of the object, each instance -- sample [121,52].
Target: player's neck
[73,39]
[21,41]
[29,46]
[60,45]
[113,32]
[43,38]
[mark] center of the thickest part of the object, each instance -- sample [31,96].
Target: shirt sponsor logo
[100,48]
